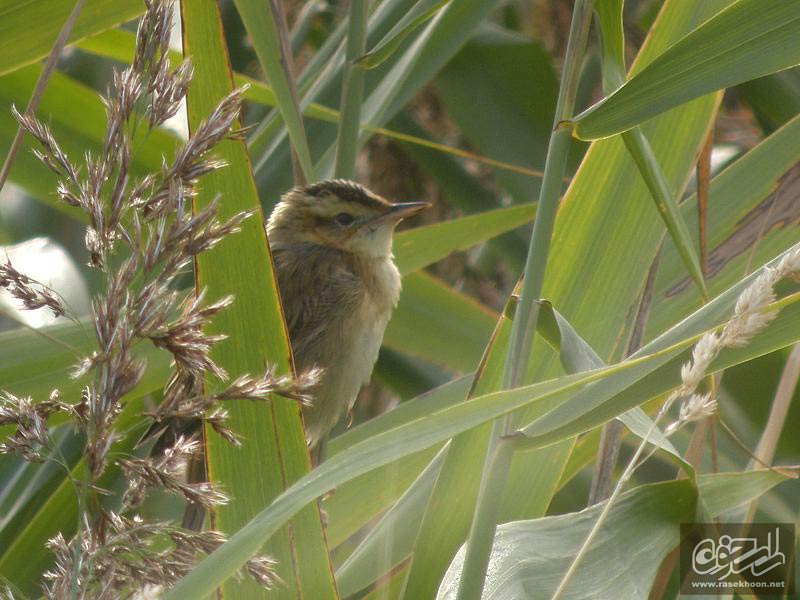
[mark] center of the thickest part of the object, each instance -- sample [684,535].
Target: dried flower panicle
[166,472]
[184,401]
[136,557]
[145,228]
[32,294]
[31,438]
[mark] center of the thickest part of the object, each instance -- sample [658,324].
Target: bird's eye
[344,219]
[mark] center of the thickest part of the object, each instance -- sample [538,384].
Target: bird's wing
[316,293]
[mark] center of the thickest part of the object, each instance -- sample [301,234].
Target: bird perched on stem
[332,246]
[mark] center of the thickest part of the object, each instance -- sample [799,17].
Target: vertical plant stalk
[703,171]
[624,478]
[299,174]
[606,462]
[704,429]
[267,27]
[611,439]
[352,92]
[264,138]
[499,452]
[765,451]
[38,89]
[642,153]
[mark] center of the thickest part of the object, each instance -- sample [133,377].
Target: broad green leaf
[576,356]
[750,211]
[775,99]
[448,515]
[273,443]
[609,17]
[722,492]
[443,396]
[508,76]
[412,437]
[749,39]
[260,21]
[391,540]
[657,509]
[361,565]
[376,490]
[434,322]
[606,399]
[417,248]
[593,278]
[371,493]
[28,29]
[389,480]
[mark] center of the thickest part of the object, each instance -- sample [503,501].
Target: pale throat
[374,243]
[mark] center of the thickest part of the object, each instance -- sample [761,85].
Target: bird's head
[339,214]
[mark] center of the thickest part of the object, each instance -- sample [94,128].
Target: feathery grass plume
[750,316]
[141,236]
[136,556]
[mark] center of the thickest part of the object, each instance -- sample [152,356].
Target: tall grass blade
[273,442]
[263,24]
[352,92]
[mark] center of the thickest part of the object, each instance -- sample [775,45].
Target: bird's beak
[402,210]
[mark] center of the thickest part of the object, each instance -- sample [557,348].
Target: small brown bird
[332,246]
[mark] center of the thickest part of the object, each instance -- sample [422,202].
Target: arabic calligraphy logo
[738,555]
